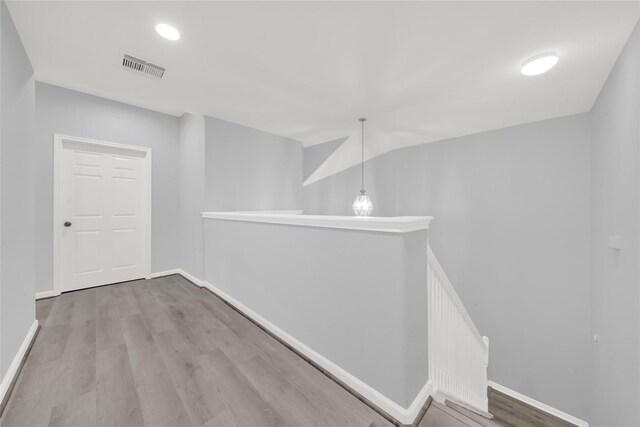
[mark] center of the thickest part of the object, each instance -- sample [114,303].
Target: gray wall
[17,182]
[73,113]
[198,164]
[191,199]
[512,231]
[616,212]
[315,155]
[247,169]
[359,308]
[226,166]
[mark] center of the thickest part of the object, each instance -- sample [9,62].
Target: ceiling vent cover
[132,63]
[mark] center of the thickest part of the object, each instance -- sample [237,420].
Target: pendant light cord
[362,123]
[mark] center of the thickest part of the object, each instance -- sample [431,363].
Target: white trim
[47,294]
[396,224]
[58,140]
[539,405]
[283,212]
[165,273]
[192,278]
[53,293]
[418,403]
[181,272]
[17,360]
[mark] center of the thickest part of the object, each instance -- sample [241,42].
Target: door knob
[67,224]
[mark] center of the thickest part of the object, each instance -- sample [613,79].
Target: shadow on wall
[315,155]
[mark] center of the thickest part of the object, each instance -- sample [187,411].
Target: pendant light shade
[362,206]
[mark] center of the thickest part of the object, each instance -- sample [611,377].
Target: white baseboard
[192,278]
[17,360]
[165,273]
[52,293]
[181,272]
[539,405]
[46,294]
[404,415]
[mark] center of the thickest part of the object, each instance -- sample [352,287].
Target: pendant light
[362,206]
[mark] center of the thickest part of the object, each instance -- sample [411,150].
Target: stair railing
[458,354]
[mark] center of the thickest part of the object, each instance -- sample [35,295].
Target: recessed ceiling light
[168,32]
[539,64]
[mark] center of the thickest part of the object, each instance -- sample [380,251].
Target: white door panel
[103,192]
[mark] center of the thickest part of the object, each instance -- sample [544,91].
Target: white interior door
[103,213]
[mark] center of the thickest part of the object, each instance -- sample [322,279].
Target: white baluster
[457,352]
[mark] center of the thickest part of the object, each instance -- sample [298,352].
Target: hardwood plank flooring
[164,352]
[513,413]
[80,411]
[437,417]
[117,399]
[473,416]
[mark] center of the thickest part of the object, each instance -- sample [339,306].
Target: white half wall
[356,297]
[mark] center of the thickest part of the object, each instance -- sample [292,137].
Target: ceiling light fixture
[168,32]
[539,64]
[362,206]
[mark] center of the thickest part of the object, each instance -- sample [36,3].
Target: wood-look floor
[164,352]
[511,412]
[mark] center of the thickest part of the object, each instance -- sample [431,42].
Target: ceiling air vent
[141,66]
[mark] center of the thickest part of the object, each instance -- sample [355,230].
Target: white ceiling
[419,71]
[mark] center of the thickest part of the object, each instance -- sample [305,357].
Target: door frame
[58,141]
